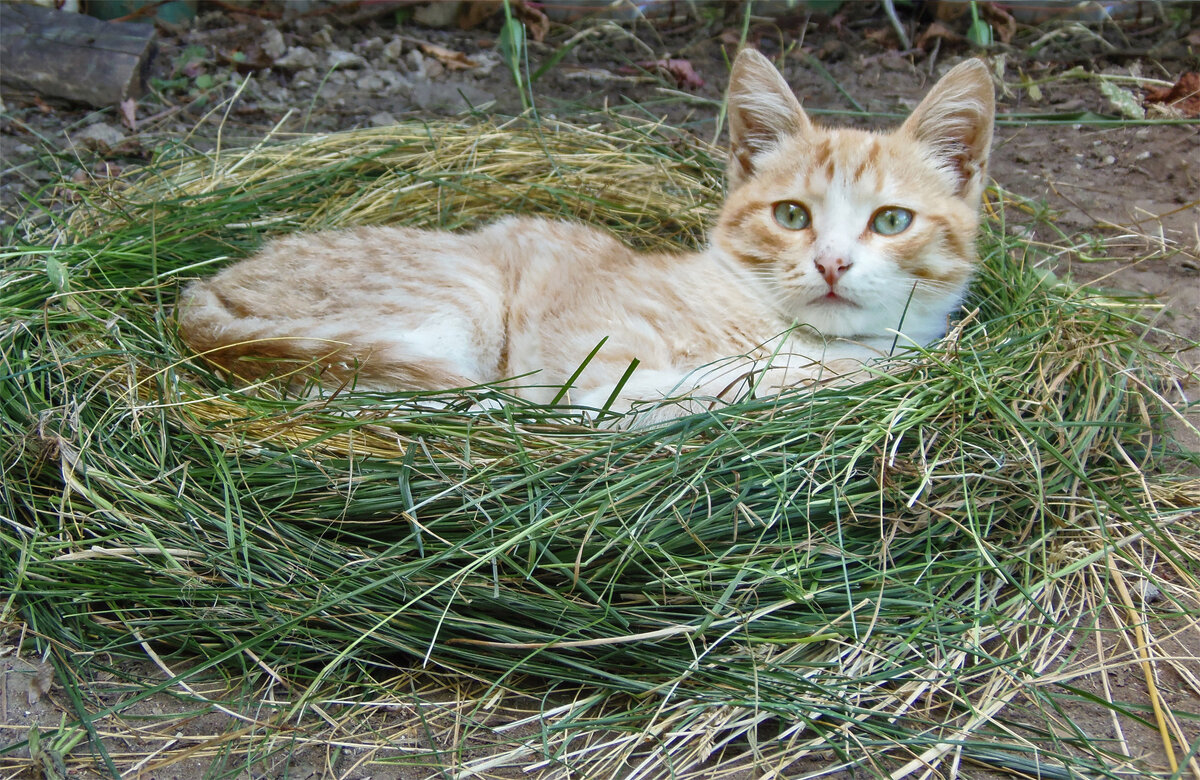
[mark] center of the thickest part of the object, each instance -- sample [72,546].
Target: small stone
[371,47]
[449,98]
[298,58]
[393,50]
[304,78]
[441,14]
[1108,160]
[100,136]
[393,79]
[485,63]
[272,43]
[382,119]
[370,83]
[433,68]
[344,59]
[1148,591]
[417,63]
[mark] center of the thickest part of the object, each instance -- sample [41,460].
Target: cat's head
[849,231]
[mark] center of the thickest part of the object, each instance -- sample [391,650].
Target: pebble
[441,14]
[101,136]
[1148,591]
[393,79]
[417,63]
[382,119]
[370,48]
[272,43]
[433,68]
[448,97]
[344,59]
[298,58]
[304,78]
[371,82]
[485,63]
[393,50]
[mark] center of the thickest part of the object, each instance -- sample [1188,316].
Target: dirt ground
[1123,198]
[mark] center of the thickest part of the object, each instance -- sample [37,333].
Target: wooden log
[73,56]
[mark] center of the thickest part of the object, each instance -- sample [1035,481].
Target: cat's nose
[831,268]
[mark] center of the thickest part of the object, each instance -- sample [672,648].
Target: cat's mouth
[832,298]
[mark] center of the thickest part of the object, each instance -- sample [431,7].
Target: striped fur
[523,301]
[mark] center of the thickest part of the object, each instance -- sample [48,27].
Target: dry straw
[856,577]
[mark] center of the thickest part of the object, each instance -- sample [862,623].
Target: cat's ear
[762,112]
[954,122]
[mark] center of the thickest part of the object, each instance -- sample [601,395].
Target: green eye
[890,220]
[792,215]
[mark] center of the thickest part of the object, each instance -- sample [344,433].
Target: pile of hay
[863,576]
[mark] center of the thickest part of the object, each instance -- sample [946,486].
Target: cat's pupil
[891,220]
[792,215]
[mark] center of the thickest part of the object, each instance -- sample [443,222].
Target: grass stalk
[876,571]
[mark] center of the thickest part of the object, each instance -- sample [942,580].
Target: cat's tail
[254,348]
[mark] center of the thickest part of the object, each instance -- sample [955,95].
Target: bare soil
[1120,201]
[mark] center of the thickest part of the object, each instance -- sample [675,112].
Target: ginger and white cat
[830,242]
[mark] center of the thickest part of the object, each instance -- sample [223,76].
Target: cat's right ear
[954,122]
[762,111]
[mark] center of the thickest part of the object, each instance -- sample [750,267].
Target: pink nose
[831,268]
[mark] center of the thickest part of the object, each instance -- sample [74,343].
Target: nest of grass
[859,576]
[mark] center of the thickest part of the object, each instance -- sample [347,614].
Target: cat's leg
[651,396]
[655,396]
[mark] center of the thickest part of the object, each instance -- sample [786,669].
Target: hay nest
[874,571]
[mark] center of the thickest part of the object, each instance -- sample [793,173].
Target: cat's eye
[792,215]
[890,220]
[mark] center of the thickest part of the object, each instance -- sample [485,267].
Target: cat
[832,246]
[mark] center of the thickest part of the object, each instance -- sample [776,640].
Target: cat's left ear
[762,112]
[954,122]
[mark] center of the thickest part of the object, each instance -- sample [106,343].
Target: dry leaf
[475,14]
[1003,24]
[39,683]
[935,32]
[731,36]
[884,36]
[946,11]
[537,24]
[451,59]
[128,110]
[680,70]
[1184,95]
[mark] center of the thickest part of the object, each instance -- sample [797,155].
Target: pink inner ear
[955,122]
[762,111]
